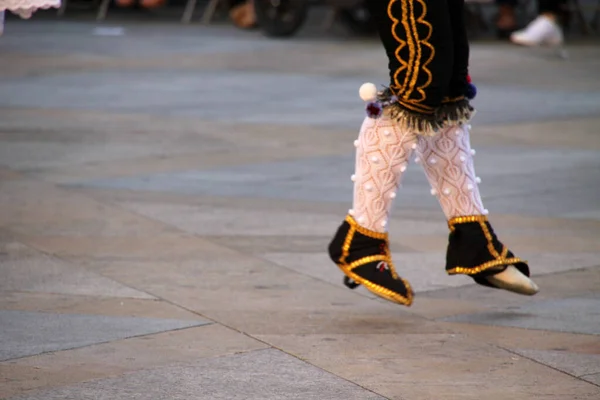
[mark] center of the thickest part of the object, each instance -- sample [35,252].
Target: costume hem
[424,120]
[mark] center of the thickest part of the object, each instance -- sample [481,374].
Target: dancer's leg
[474,248]
[360,247]
[447,159]
[383,149]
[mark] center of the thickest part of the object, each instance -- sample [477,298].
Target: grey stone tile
[40,273]
[572,363]
[575,315]
[590,214]
[595,379]
[214,221]
[25,334]
[258,375]
[138,92]
[144,91]
[210,220]
[537,182]
[549,263]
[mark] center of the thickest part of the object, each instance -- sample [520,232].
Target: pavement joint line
[546,365]
[105,341]
[592,374]
[248,335]
[234,250]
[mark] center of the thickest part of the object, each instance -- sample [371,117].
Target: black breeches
[427,48]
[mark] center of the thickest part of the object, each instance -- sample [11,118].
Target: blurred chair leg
[63,8]
[595,23]
[188,13]
[209,11]
[481,21]
[330,18]
[103,10]
[576,8]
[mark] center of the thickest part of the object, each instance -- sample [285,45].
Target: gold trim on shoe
[380,290]
[500,260]
[372,287]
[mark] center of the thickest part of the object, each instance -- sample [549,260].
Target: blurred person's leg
[545,29]
[506,22]
[242,14]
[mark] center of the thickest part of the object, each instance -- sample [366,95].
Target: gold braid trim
[452,99]
[374,288]
[347,244]
[420,108]
[485,266]
[372,234]
[377,289]
[415,45]
[401,43]
[500,258]
[466,219]
[368,259]
[423,42]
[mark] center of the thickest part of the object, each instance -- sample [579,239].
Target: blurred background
[281,18]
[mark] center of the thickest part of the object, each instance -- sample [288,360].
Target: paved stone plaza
[167,197]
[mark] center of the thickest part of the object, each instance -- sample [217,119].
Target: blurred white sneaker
[542,30]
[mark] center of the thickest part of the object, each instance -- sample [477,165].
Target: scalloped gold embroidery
[415,45]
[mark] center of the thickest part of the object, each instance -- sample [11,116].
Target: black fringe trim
[448,114]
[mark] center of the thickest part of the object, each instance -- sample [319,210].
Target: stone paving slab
[563,315]
[229,220]
[110,359]
[93,305]
[260,375]
[131,92]
[579,365]
[45,274]
[28,333]
[523,177]
[451,366]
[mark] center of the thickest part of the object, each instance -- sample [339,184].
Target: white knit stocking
[447,159]
[382,154]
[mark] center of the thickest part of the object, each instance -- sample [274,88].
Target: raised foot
[513,280]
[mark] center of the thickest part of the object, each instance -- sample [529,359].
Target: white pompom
[368,92]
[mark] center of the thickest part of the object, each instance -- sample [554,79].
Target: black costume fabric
[364,256]
[428,52]
[474,250]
